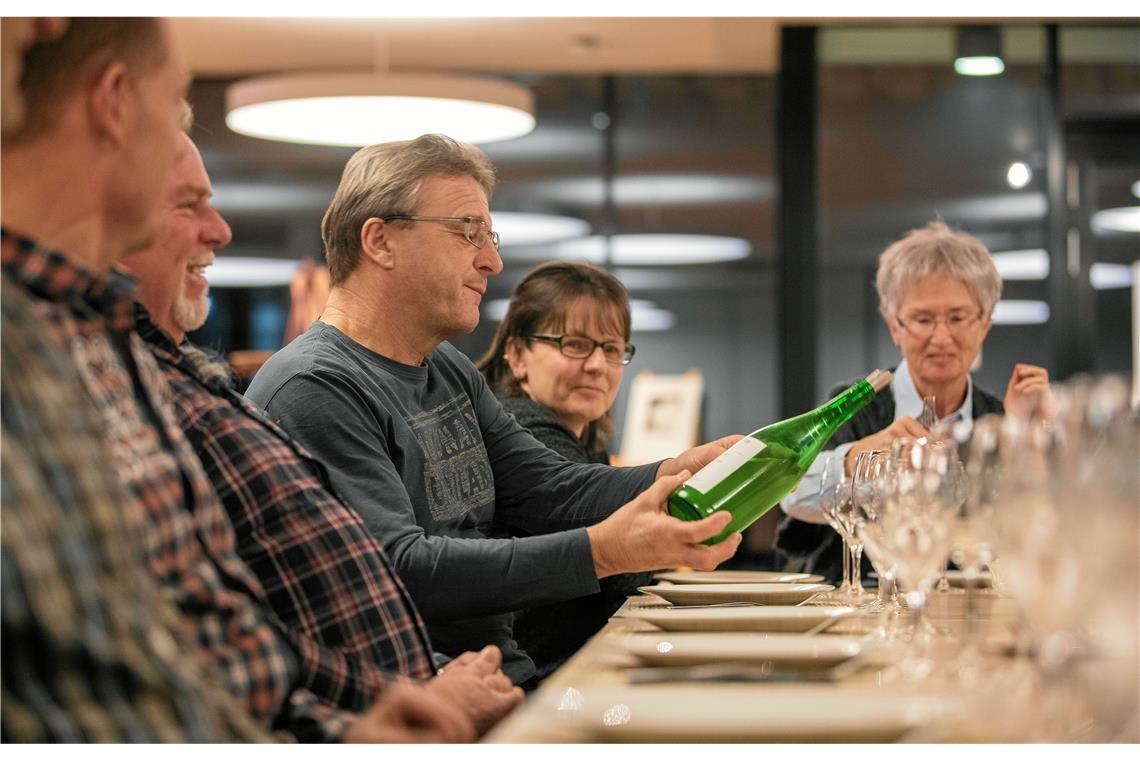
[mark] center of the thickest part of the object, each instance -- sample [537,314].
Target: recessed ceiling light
[1013,312]
[1018,175]
[250,272]
[655,249]
[1030,264]
[1124,219]
[353,109]
[1136,188]
[520,228]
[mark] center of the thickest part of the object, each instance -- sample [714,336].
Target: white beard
[190,315]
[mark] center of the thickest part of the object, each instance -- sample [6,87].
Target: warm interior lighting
[1030,264]
[361,109]
[1013,312]
[250,272]
[521,228]
[1124,219]
[655,249]
[979,51]
[1018,175]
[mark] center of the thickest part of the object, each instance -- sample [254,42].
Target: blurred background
[804,147]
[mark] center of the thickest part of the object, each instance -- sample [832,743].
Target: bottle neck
[812,429]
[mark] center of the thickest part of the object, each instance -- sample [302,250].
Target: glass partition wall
[904,139]
[901,139]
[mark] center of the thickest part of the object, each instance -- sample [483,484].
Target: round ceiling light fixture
[354,109]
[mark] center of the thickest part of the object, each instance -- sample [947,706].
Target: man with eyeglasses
[415,440]
[938,289]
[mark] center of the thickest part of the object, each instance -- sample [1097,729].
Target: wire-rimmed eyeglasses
[475,229]
[924,325]
[579,347]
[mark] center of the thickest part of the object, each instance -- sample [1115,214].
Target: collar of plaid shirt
[104,302]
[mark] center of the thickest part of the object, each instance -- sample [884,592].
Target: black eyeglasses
[475,230]
[576,347]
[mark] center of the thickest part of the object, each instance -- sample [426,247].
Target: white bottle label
[727,463]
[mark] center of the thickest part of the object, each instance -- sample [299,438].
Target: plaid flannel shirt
[92,649]
[188,541]
[323,572]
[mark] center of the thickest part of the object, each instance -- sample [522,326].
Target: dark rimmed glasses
[475,229]
[578,347]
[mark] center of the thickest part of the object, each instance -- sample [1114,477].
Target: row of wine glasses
[1053,506]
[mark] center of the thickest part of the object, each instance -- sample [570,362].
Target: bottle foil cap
[879,379]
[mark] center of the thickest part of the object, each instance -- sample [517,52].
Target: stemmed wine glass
[928,418]
[850,514]
[834,495]
[868,490]
[973,537]
[913,528]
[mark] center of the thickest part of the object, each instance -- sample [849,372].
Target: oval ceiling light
[645,316]
[1124,219]
[979,66]
[1015,312]
[656,249]
[1030,264]
[353,109]
[250,272]
[522,228]
[1104,276]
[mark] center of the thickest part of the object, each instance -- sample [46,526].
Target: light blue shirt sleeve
[803,502]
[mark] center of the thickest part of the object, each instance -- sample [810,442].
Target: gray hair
[385,180]
[213,369]
[937,250]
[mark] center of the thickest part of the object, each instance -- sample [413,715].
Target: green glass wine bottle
[751,477]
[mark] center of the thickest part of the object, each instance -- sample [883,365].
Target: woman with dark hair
[556,363]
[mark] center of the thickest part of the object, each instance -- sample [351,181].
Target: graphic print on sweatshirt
[457,472]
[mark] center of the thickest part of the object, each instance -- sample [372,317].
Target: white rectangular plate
[741,713]
[784,650]
[772,618]
[718,593]
[735,576]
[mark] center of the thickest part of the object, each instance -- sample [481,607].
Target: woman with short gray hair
[937,292]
